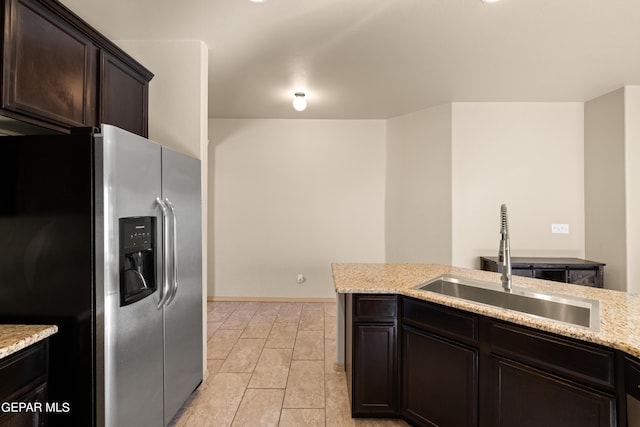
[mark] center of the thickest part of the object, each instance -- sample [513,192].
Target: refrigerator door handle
[174,253]
[166,286]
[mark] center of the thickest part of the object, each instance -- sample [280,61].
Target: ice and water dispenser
[137,258]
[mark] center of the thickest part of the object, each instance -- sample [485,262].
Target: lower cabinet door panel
[526,397]
[374,370]
[440,381]
[36,418]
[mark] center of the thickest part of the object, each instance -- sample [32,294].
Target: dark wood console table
[568,270]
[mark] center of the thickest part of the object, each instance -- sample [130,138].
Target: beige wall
[612,185]
[529,156]
[448,169]
[291,197]
[605,186]
[177,116]
[632,168]
[418,187]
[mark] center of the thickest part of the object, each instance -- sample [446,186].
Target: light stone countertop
[14,338]
[619,311]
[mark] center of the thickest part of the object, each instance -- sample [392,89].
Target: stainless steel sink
[575,311]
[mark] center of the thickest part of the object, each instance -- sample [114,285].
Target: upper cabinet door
[49,67]
[124,94]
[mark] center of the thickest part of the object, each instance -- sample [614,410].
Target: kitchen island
[438,360]
[24,372]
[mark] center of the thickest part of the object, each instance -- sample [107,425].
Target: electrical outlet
[560,228]
[301,279]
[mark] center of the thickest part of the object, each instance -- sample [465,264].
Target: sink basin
[571,310]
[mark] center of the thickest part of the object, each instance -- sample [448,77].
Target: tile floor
[272,364]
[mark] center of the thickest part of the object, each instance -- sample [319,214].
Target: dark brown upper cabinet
[124,96]
[49,68]
[59,73]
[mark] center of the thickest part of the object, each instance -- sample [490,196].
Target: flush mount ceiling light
[299,101]
[489,1]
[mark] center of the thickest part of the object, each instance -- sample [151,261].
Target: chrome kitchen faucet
[504,253]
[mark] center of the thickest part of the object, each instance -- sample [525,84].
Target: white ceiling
[383,58]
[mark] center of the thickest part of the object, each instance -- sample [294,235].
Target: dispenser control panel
[136,233]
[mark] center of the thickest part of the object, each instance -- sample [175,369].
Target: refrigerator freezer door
[133,348]
[46,258]
[183,313]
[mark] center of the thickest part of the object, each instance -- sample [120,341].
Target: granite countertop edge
[619,311]
[14,338]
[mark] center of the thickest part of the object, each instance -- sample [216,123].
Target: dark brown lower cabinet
[439,380]
[374,377]
[459,369]
[23,378]
[371,355]
[527,397]
[632,390]
[28,418]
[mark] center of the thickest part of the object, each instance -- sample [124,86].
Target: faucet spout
[504,253]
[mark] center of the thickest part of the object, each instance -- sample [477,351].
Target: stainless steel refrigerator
[101,235]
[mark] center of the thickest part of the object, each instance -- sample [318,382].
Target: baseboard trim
[269,299]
